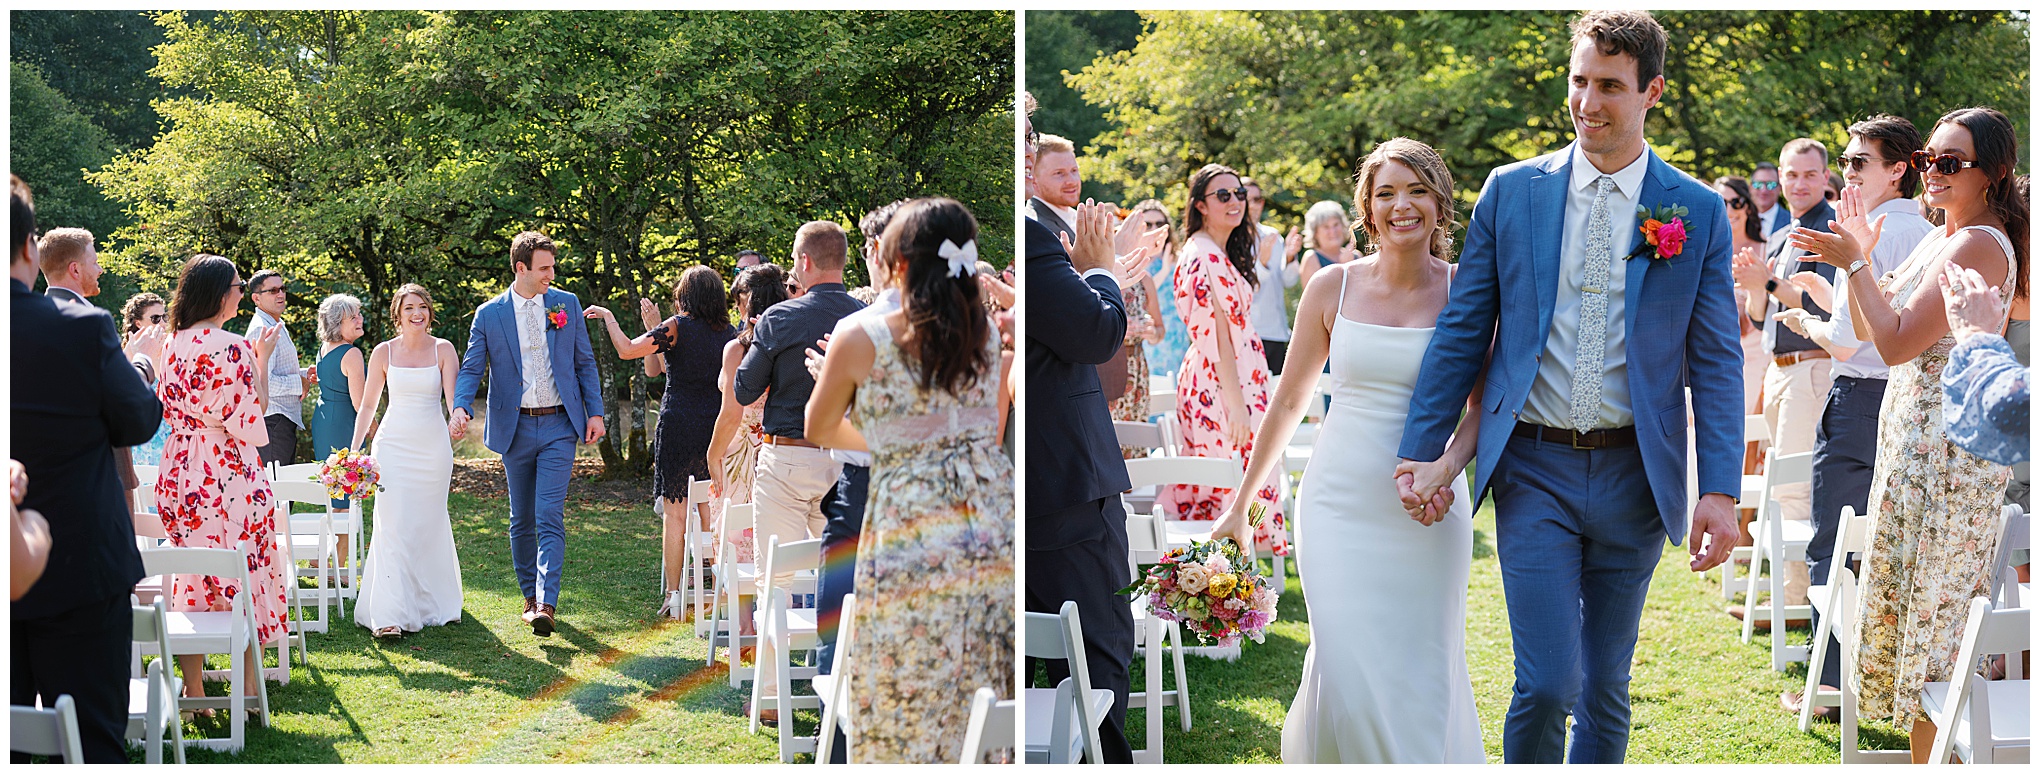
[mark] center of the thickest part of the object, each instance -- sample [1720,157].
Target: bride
[1385,678]
[411,578]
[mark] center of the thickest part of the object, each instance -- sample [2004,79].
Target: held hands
[1425,489]
[1972,304]
[456,425]
[1713,520]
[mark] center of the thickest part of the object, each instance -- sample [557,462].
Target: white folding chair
[734,582]
[1778,541]
[307,537]
[991,726]
[2015,535]
[1146,542]
[1161,394]
[52,731]
[834,688]
[782,630]
[697,548]
[152,692]
[1984,721]
[1138,435]
[343,579]
[1847,593]
[1062,722]
[230,631]
[1753,496]
[1220,472]
[1851,537]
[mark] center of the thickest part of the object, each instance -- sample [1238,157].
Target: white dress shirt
[1550,400]
[1764,220]
[886,303]
[286,378]
[1903,230]
[539,389]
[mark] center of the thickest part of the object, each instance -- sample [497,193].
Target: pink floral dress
[211,490]
[1208,286]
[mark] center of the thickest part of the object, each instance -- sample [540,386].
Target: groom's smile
[1606,106]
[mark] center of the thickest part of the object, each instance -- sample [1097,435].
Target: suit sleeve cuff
[1107,274]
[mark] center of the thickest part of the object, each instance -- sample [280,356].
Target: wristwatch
[1857,265]
[1771,285]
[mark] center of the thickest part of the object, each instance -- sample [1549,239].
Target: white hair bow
[962,260]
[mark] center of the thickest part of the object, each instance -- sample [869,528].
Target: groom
[543,397]
[1597,334]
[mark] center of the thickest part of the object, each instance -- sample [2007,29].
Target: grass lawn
[1698,694]
[615,684]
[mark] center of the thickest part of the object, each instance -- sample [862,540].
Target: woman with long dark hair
[1746,230]
[690,341]
[935,562]
[1222,388]
[210,489]
[1934,506]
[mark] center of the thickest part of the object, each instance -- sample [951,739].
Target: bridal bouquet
[1212,588]
[349,474]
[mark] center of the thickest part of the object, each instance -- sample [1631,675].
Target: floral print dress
[1133,406]
[1933,511]
[935,562]
[1209,291]
[211,489]
[740,470]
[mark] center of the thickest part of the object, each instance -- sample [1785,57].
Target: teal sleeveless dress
[333,419]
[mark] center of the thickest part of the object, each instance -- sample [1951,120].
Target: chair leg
[1182,680]
[1155,702]
[1816,660]
[1750,591]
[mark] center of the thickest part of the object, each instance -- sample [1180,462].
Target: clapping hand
[815,354]
[1855,220]
[1293,244]
[1816,287]
[149,341]
[1751,269]
[1092,246]
[1972,304]
[598,311]
[649,312]
[265,342]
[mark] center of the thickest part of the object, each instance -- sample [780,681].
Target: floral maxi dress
[934,619]
[1207,285]
[211,489]
[1933,511]
[1133,406]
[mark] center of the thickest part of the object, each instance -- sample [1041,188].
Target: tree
[99,60]
[360,150]
[51,146]
[1297,98]
[1062,42]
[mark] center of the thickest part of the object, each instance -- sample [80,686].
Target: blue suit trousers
[538,464]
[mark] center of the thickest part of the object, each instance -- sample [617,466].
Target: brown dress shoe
[530,609]
[542,623]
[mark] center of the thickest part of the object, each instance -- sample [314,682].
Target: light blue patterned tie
[1590,358]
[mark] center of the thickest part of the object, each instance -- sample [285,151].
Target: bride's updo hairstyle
[1997,151]
[946,326]
[397,304]
[1429,167]
[1239,245]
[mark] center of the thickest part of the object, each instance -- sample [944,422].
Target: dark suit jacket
[1112,376]
[75,398]
[1072,325]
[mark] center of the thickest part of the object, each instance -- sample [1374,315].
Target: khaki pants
[1794,397]
[787,495]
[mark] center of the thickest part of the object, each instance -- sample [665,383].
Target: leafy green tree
[362,150]
[51,145]
[100,60]
[1062,42]
[1297,98]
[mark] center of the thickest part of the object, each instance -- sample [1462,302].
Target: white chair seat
[1796,533]
[203,629]
[2010,710]
[1038,708]
[1752,488]
[1183,533]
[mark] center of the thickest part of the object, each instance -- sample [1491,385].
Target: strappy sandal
[389,633]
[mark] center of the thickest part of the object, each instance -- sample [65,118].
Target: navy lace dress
[693,352]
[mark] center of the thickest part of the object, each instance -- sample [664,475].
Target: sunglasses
[154,318]
[1155,224]
[239,285]
[1226,195]
[1767,185]
[1857,163]
[277,289]
[1830,194]
[1737,203]
[1947,163]
[1033,137]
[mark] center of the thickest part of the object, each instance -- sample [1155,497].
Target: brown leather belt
[780,440]
[1791,358]
[1596,439]
[539,412]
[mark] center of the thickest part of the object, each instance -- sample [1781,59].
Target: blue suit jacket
[492,347]
[1681,331]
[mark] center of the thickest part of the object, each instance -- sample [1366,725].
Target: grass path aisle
[615,684]
[1697,694]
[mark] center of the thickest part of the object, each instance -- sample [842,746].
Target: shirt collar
[519,298]
[266,318]
[1628,180]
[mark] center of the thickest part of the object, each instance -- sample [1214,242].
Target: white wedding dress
[411,578]
[1385,678]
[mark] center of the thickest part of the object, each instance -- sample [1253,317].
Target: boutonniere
[1663,228]
[557,316]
